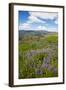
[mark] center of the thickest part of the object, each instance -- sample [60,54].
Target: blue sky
[37,20]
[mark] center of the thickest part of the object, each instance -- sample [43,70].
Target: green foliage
[30,64]
[39,58]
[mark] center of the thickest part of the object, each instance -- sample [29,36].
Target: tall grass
[38,56]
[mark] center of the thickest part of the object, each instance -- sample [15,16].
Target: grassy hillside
[38,54]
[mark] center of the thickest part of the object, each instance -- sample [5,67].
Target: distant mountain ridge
[23,33]
[32,32]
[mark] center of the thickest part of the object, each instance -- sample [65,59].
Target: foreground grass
[38,56]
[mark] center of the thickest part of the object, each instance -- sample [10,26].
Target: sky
[38,20]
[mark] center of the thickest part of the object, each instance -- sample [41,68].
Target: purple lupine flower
[55,71]
[38,72]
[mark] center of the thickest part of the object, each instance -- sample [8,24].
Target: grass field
[38,56]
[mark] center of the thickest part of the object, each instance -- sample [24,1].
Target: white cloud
[53,29]
[44,15]
[33,19]
[27,26]
[41,28]
[24,26]
[56,21]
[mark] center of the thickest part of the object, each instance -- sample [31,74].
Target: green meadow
[38,55]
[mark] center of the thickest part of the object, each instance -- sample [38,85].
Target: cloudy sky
[32,20]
